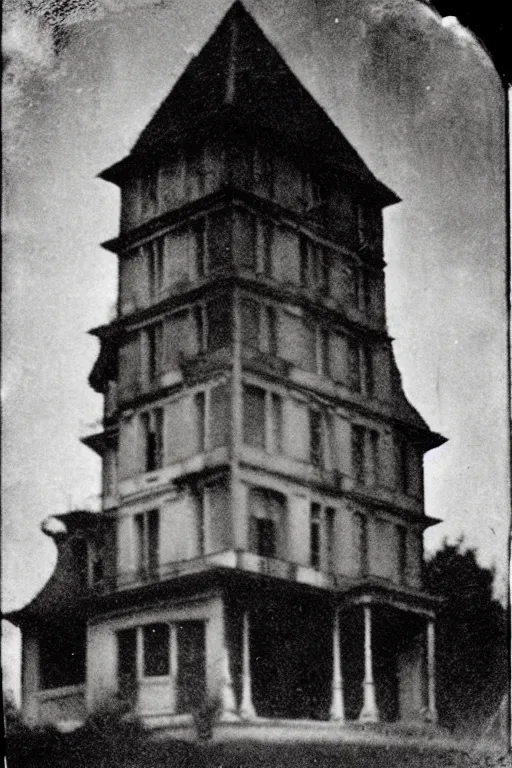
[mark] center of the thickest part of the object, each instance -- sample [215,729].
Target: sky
[421,103]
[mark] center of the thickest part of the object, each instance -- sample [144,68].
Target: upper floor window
[97,553]
[321,540]
[218,330]
[147,541]
[320,426]
[401,532]
[361,543]
[316,438]
[152,427]
[258,326]
[365,455]
[254,416]
[265,537]
[315,535]
[154,253]
[267,509]
[409,467]
[314,265]
[154,336]
[360,367]
[264,174]
[262,419]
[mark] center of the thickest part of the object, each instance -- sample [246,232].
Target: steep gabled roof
[239,77]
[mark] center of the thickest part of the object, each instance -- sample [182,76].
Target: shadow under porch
[289,660]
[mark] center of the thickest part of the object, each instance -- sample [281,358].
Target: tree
[472,638]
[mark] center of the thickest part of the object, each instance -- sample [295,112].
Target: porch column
[227,694]
[369,712]
[431,672]
[337,707]
[247,710]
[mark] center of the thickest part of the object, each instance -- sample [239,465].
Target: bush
[109,738]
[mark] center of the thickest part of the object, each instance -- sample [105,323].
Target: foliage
[472,639]
[109,738]
[205,717]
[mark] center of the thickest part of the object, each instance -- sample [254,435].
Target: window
[315,527]
[155,256]
[321,538]
[358,440]
[330,519]
[200,413]
[250,322]
[315,438]
[156,650]
[152,425]
[402,553]
[263,173]
[262,419]
[268,338]
[360,368]
[147,540]
[218,323]
[276,421]
[265,537]
[200,507]
[365,455]
[361,543]
[145,652]
[219,422]
[129,366]
[154,335]
[362,287]
[62,655]
[267,510]
[179,339]
[97,549]
[354,369]
[254,416]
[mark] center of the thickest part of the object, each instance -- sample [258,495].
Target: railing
[231,560]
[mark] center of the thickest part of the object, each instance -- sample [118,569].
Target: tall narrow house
[260,540]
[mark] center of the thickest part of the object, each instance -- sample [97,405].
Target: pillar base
[369,712]
[430,716]
[336,713]
[229,717]
[247,713]
[368,716]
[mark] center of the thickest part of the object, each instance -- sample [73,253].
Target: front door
[191,665]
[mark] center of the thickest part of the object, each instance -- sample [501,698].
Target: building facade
[260,539]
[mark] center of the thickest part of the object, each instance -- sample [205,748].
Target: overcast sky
[419,101]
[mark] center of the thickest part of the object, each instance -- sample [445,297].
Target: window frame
[146,553]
